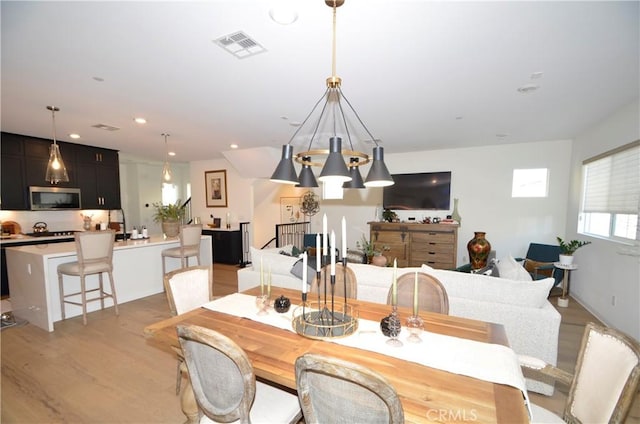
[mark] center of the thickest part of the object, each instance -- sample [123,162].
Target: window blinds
[612,181]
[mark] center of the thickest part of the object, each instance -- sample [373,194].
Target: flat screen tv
[427,190]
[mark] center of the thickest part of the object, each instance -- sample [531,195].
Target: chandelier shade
[307,179]
[356,178]
[56,171]
[337,121]
[379,175]
[285,172]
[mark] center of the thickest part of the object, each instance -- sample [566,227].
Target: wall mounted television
[427,190]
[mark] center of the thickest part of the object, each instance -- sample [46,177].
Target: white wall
[604,271]
[239,194]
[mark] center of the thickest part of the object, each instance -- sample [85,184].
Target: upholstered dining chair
[189,236]
[187,289]
[95,256]
[432,296]
[341,274]
[332,390]
[224,383]
[604,383]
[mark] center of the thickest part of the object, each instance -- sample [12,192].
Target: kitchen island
[137,273]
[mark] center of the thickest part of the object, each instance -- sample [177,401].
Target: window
[530,183]
[611,194]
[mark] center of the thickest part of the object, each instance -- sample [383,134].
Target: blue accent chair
[539,262]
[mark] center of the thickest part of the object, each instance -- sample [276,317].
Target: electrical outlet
[613,301]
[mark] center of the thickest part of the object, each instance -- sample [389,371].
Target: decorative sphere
[282,304]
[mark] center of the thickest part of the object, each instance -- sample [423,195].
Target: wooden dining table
[427,394]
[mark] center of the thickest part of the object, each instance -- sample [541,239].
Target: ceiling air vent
[105,127]
[240,45]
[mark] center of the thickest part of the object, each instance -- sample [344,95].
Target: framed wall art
[290,210]
[215,184]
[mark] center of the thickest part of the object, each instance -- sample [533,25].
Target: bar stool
[189,246]
[95,256]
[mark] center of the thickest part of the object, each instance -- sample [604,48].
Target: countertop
[53,250]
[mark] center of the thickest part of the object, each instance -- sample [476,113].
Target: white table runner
[484,361]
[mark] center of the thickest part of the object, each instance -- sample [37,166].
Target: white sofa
[532,324]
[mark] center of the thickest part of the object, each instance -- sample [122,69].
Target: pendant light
[167,174]
[333,120]
[56,171]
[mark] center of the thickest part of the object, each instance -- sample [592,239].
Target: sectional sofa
[532,324]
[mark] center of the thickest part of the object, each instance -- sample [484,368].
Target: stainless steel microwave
[54,198]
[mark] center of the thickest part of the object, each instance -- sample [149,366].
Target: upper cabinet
[24,161]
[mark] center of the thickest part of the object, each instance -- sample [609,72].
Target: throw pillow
[511,269]
[297,268]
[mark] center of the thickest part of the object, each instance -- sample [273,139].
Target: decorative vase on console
[455,215]
[479,248]
[379,260]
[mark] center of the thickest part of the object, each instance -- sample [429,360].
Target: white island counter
[137,273]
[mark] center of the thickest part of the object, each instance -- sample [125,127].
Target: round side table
[563,301]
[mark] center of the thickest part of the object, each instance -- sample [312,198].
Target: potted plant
[170,216]
[370,255]
[567,249]
[389,215]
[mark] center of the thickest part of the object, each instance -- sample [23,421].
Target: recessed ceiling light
[528,88]
[537,75]
[295,123]
[458,118]
[74,135]
[171,153]
[140,120]
[502,135]
[233,146]
[283,14]
[99,79]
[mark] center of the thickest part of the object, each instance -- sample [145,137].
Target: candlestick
[394,296]
[344,237]
[304,273]
[415,295]
[261,278]
[318,253]
[324,234]
[269,284]
[333,253]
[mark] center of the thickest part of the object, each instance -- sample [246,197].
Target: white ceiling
[422,75]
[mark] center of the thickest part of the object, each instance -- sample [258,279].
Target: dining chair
[224,383]
[189,237]
[604,383]
[432,296]
[187,289]
[95,256]
[332,390]
[342,273]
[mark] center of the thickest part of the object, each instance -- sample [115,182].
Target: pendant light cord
[53,120]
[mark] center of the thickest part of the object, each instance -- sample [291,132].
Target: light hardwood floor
[107,372]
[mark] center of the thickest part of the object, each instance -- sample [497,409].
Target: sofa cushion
[491,289]
[271,260]
[511,269]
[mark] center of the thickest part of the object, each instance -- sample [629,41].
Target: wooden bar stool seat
[189,246]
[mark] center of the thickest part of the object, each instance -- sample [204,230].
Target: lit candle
[304,272]
[324,234]
[415,295]
[269,284]
[318,253]
[333,253]
[344,237]
[394,292]
[261,278]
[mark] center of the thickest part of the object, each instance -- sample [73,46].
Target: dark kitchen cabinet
[92,169]
[12,174]
[227,246]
